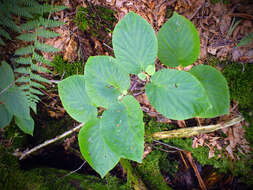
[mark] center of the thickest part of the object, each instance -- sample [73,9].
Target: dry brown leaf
[70,53]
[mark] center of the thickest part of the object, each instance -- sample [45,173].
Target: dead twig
[191,131]
[46,143]
[200,180]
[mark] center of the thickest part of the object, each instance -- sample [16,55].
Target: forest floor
[217,160]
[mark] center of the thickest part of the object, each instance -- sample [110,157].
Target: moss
[95,19]
[150,172]
[14,136]
[220,1]
[240,83]
[12,177]
[64,67]
[153,126]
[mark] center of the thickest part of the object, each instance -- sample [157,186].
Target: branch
[191,131]
[26,153]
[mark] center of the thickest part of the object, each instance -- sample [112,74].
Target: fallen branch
[26,153]
[191,131]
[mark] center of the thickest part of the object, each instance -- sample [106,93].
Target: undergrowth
[66,69]
[13,177]
[95,19]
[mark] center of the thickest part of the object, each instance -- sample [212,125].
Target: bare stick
[74,170]
[26,153]
[191,131]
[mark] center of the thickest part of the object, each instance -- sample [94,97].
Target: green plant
[119,132]
[29,80]
[95,19]
[66,69]
[9,92]
[246,40]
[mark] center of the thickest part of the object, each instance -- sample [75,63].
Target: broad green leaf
[177,94]
[123,129]
[178,42]
[134,43]
[5,116]
[119,134]
[94,148]
[16,102]
[6,75]
[105,80]
[25,124]
[216,89]
[75,100]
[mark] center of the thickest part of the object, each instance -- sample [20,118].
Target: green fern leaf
[23,70]
[41,59]
[35,91]
[37,85]
[29,3]
[45,47]
[45,8]
[8,22]
[39,68]
[25,50]
[39,78]
[4,34]
[27,37]
[20,11]
[32,24]
[23,79]
[24,60]
[49,23]
[46,33]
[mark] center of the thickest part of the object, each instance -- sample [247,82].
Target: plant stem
[188,132]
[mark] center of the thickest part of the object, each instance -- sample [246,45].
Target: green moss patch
[95,19]
[63,67]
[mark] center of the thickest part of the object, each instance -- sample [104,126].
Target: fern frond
[41,59]
[8,22]
[20,11]
[39,68]
[34,97]
[23,79]
[49,23]
[23,70]
[4,34]
[24,60]
[37,85]
[45,8]
[39,78]
[33,103]
[46,33]
[27,37]
[25,50]
[45,47]
[35,91]
[29,3]
[30,25]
